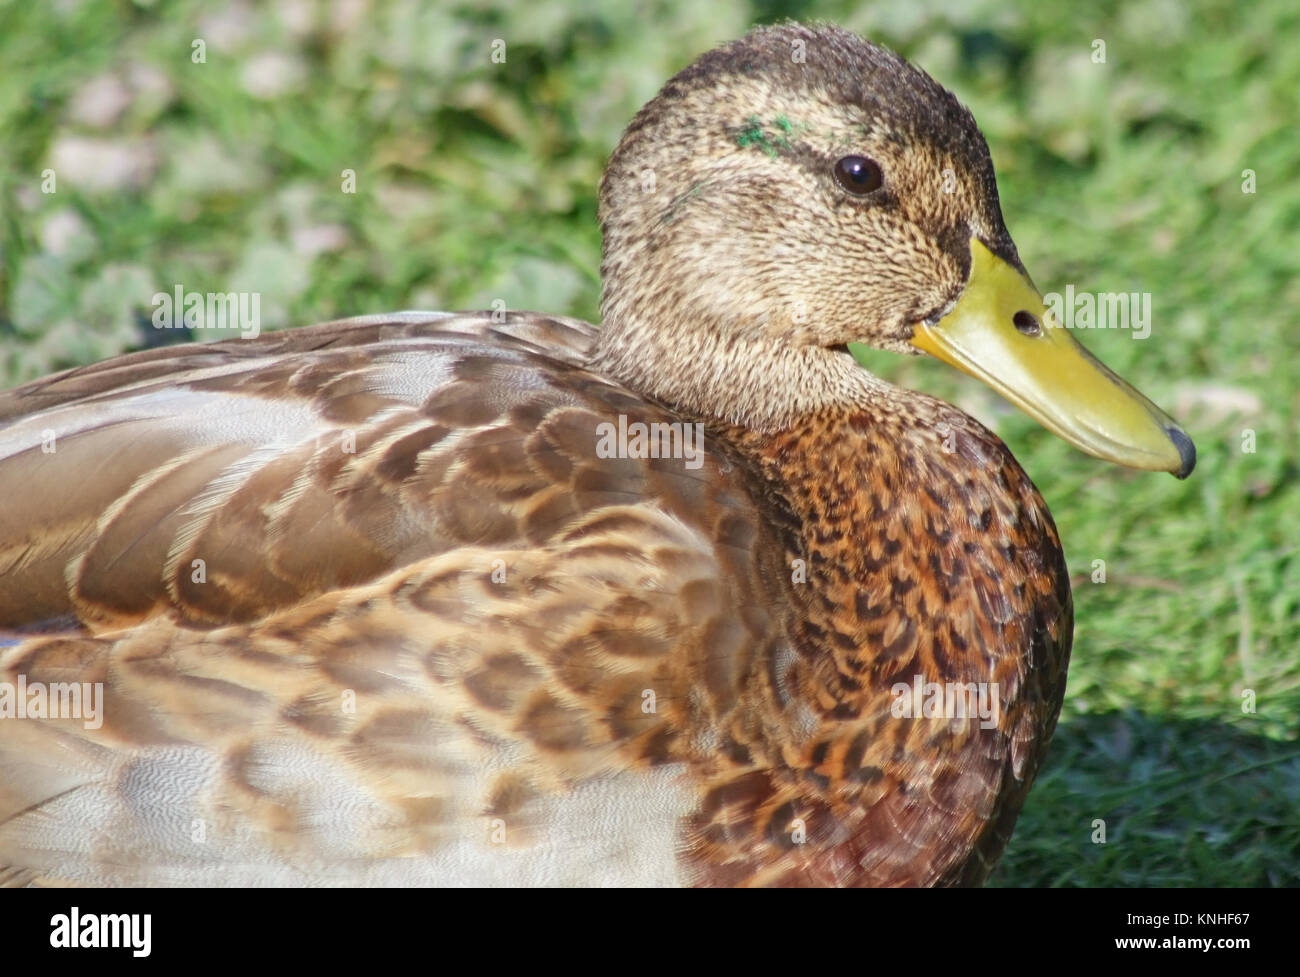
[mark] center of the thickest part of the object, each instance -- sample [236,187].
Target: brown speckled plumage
[438,638]
[962,580]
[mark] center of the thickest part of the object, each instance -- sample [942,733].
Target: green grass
[476,182]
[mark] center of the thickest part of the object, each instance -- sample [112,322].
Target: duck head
[801,189]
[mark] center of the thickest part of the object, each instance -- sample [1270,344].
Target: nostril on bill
[1027,323]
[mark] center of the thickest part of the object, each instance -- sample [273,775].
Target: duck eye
[859,175]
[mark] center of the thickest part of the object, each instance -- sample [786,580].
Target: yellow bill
[1001,332]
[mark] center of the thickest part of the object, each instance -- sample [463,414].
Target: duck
[506,598]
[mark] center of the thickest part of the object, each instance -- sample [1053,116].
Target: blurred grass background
[476,181]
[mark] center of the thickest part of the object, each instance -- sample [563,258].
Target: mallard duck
[509,599]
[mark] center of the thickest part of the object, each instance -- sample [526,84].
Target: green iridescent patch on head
[769,137]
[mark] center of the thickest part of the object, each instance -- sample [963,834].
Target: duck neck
[758,384]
